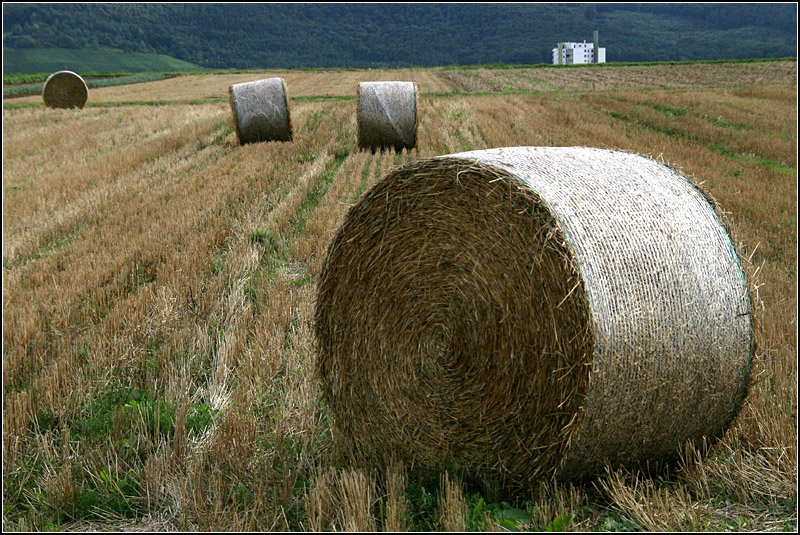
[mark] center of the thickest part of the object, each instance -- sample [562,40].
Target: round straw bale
[387,115]
[532,312]
[65,89]
[261,111]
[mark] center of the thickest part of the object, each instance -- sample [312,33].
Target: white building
[574,53]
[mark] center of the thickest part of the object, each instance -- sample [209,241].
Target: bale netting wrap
[528,313]
[65,89]
[261,111]
[387,116]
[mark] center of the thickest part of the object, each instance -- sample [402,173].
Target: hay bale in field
[261,111]
[387,115]
[65,89]
[528,313]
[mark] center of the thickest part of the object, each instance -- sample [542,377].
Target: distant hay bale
[65,89]
[261,111]
[387,115]
[529,313]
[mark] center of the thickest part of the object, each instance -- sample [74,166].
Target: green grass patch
[722,122]
[484,504]
[559,523]
[422,505]
[276,254]
[46,248]
[463,144]
[505,515]
[314,118]
[666,110]
[258,236]
[58,243]
[616,523]
[302,280]
[457,114]
[306,158]
[109,491]
[141,273]
[133,409]
[221,131]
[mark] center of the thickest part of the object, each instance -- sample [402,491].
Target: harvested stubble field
[159,284]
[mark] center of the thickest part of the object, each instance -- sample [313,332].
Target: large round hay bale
[65,89]
[261,111]
[387,115]
[528,313]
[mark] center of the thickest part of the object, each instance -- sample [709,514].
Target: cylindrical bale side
[261,111]
[65,89]
[529,313]
[387,115]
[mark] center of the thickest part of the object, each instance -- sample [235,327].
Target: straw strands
[261,111]
[65,89]
[532,312]
[387,115]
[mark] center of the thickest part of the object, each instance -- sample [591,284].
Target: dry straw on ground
[65,89]
[529,313]
[387,115]
[261,111]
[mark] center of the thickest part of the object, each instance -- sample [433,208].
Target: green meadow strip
[191,102]
[322,98]
[21,91]
[277,249]
[46,248]
[362,186]
[126,103]
[21,105]
[112,81]
[766,163]
[666,110]
[313,197]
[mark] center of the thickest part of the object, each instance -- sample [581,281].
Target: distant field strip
[210,88]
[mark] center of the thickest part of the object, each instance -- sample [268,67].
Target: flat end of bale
[65,89]
[455,338]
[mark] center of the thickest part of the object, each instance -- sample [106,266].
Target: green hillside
[46,60]
[252,36]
